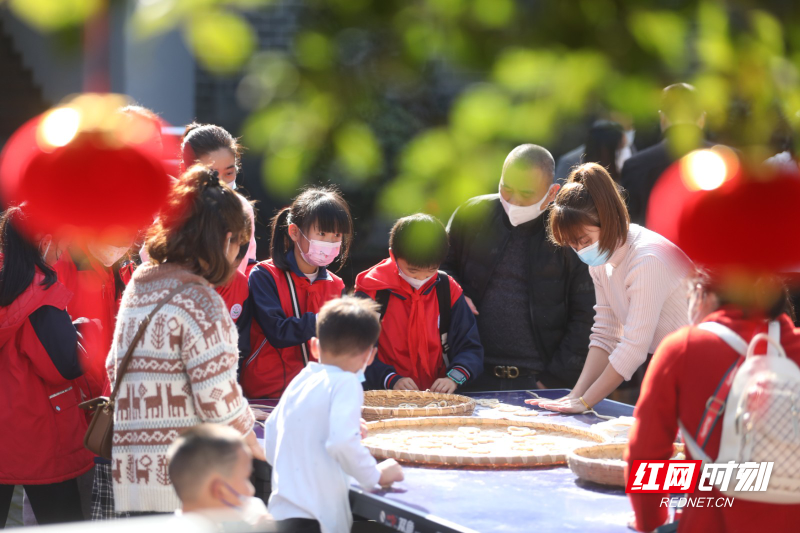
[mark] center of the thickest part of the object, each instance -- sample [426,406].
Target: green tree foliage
[358,96]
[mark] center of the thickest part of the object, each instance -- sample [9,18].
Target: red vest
[267,371]
[409,340]
[234,293]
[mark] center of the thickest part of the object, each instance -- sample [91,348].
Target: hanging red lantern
[86,169]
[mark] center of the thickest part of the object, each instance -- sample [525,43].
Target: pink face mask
[320,253]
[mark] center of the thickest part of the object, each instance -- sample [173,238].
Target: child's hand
[405,384]
[390,472]
[471,305]
[445,385]
[364,429]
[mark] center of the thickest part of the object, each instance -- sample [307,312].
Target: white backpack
[761,420]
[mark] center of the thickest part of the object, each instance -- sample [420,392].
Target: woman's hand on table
[539,401]
[564,405]
[445,385]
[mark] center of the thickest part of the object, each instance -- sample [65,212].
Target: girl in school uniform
[639,280]
[288,290]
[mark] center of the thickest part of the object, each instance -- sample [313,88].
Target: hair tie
[211,179]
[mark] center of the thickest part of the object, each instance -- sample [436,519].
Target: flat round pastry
[506,408]
[475,442]
[488,402]
[524,411]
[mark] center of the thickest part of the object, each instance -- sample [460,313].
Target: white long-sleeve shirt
[641,298]
[313,442]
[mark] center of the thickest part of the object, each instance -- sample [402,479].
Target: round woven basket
[383,404]
[602,464]
[492,460]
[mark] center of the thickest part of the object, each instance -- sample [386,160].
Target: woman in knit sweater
[683,375]
[183,371]
[639,279]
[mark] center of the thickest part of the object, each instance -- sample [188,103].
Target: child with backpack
[429,337]
[288,290]
[732,393]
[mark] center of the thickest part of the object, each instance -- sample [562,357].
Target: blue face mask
[361,377]
[592,256]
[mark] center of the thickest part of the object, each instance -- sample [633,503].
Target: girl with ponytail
[639,279]
[288,290]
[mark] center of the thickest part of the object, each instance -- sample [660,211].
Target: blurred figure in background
[602,146]
[43,429]
[210,467]
[682,123]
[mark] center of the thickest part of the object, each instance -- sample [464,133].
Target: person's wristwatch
[457,376]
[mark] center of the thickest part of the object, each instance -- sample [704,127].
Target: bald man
[534,301]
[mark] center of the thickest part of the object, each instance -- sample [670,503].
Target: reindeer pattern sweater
[183,373]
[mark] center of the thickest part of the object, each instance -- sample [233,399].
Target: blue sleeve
[58,336]
[379,375]
[281,331]
[465,344]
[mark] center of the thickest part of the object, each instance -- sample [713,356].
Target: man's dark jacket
[641,172]
[560,290]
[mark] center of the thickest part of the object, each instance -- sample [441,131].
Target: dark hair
[191,230]
[602,144]
[680,104]
[419,239]
[348,326]
[199,452]
[531,156]
[20,259]
[202,139]
[590,198]
[323,207]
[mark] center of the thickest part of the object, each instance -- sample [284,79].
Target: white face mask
[107,255]
[415,283]
[518,214]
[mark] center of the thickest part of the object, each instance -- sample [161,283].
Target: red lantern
[83,169]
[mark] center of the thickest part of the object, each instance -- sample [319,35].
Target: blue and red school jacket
[270,335]
[410,345]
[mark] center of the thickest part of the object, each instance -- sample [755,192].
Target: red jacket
[685,371]
[410,345]
[234,293]
[43,428]
[274,356]
[95,298]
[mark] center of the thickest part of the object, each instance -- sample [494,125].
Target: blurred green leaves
[358,97]
[222,41]
[49,15]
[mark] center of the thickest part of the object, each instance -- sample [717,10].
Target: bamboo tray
[603,464]
[384,404]
[407,440]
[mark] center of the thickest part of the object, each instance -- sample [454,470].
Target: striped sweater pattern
[183,373]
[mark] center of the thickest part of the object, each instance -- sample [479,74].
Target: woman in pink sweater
[639,278]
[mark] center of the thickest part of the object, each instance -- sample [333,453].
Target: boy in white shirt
[313,438]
